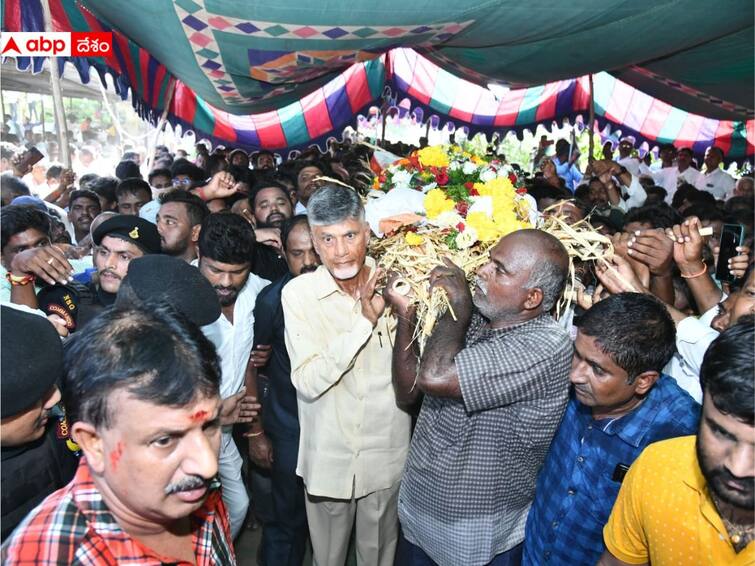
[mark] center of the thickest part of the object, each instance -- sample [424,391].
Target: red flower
[414,161]
[512,178]
[381,179]
[460,226]
[521,191]
[461,207]
[474,192]
[441,178]
[469,185]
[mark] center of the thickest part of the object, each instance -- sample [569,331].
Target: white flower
[429,187]
[447,219]
[454,166]
[402,179]
[469,168]
[488,175]
[481,204]
[467,238]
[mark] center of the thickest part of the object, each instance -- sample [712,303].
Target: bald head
[549,262]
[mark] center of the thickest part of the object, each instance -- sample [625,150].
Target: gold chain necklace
[740,535]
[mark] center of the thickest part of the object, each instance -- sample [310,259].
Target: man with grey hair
[354,438]
[495,379]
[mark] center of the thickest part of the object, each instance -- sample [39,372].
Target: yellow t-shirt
[664,514]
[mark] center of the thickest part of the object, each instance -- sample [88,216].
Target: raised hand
[47,262]
[654,249]
[688,245]
[373,303]
[451,278]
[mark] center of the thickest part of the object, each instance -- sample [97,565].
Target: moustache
[725,476]
[189,483]
[222,288]
[308,268]
[111,273]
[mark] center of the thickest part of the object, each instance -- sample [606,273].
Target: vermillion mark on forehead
[199,416]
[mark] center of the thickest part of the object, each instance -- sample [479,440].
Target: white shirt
[636,195]
[631,164]
[354,439]
[693,336]
[234,342]
[670,178]
[300,209]
[718,182]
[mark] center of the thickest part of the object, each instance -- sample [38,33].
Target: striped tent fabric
[617,104]
[402,72]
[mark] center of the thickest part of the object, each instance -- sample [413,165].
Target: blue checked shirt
[577,485]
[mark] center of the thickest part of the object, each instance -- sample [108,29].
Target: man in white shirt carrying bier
[354,438]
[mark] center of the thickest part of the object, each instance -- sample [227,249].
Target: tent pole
[57,96]
[161,124]
[591,151]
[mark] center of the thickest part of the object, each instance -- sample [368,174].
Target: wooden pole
[591,131]
[57,96]
[161,124]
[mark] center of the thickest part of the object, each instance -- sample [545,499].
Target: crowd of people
[173,339]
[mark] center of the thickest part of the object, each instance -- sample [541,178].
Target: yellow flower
[433,156]
[436,202]
[483,225]
[414,239]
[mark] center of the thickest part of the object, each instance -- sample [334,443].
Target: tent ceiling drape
[282,75]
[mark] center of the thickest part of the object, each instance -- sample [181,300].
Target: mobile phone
[731,237]
[29,158]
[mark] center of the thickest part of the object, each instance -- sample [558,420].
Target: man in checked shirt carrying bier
[495,382]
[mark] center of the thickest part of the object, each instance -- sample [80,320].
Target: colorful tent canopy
[334,98]
[246,57]
[617,105]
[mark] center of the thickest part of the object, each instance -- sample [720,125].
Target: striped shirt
[75,526]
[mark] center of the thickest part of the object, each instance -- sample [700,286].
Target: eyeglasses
[181,182]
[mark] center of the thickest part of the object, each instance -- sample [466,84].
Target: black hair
[185,167]
[685,191]
[657,191]
[87,180]
[658,215]
[704,212]
[54,172]
[160,172]
[196,208]
[105,187]
[727,371]
[239,174]
[634,329]
[289,224]
[127,170]
[666,146]
[132,186]
[539,190]
[129,156]
[16,218]
[215,163]
[13,187]
[266,183]
[83,193]
[227,238]
[149,350]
